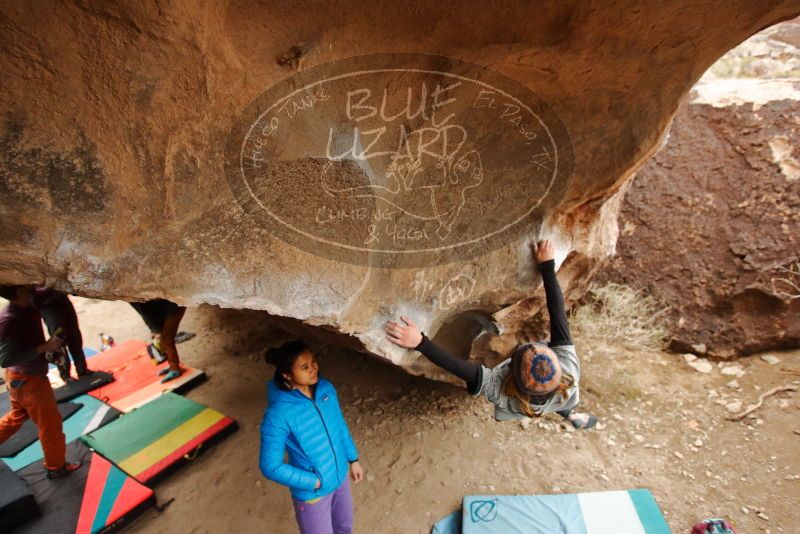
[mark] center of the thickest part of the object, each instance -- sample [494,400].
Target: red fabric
[130,496]
[135,379]
[35,399]
[92,492]
[131,367]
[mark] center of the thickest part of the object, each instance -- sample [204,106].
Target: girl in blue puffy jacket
[304,420]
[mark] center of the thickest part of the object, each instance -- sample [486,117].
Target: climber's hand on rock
[405,334]
[544,251]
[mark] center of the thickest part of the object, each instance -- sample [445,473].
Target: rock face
[711,227]
[263,156]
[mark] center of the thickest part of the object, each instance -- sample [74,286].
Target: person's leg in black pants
[75,341]
[62,314]
[53,321]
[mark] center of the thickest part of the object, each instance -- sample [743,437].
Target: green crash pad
[151,439]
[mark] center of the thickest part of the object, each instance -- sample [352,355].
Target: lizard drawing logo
[398,160]
[425,184]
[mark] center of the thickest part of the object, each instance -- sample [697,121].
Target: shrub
[618,314]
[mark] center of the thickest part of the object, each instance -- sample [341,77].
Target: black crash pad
[82,385]
[17,504]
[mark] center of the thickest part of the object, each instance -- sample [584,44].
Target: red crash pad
[135,380]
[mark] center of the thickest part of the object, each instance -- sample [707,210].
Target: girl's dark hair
[283,358]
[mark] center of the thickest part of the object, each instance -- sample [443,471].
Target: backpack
[713,526]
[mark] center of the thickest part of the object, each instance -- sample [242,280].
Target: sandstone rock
[732,370]
[770,359]
[734,406]
[119,168]
[701,365]
[733,203]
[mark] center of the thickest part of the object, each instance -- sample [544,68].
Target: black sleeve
[559,328]
[469,372]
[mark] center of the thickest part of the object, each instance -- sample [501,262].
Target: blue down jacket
[315,435]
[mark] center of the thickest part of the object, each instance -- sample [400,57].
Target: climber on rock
[537,379]
[162,318]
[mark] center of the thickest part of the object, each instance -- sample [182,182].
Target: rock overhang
[117,127]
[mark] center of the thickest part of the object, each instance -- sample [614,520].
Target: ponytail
[283,359]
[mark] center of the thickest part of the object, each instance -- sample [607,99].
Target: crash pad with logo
[604,512]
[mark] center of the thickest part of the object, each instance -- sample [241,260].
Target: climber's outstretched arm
[544,253]
[406,334]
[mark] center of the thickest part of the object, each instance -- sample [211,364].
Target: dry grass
[787,286]
[618,314]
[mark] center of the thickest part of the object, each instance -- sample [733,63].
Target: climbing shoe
[170,374]
[62,471]
[582,421]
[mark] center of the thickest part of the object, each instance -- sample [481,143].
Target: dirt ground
[424,445]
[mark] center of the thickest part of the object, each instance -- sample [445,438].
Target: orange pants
[32,396]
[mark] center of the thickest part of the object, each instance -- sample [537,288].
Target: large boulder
[234,153]
[711,227]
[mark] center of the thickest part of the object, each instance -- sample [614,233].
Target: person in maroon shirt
[22,350]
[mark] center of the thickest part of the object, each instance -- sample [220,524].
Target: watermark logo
[398,160]
[483,511]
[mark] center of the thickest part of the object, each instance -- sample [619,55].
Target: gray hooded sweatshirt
[508,408]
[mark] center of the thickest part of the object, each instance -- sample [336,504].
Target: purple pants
[332,514]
